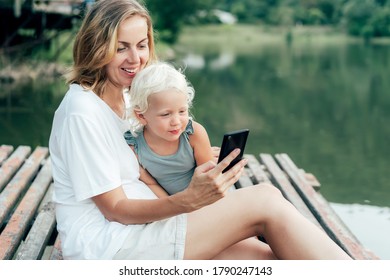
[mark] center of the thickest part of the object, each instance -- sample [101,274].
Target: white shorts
[161,240]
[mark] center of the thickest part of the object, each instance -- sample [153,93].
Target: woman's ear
[140,117]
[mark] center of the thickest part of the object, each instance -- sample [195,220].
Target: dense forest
[365,18]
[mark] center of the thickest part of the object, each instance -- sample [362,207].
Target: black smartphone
[231,141]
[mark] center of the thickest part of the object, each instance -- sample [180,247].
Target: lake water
[327,105]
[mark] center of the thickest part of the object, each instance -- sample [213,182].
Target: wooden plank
[312,181]
[47,198]
[253,174]
[324,213]
[280,180]
[5,151]
[12,164]
[244,181]
[18,184]
[39,235]
[56,253]
[24,213]
[259,175]
[49,249]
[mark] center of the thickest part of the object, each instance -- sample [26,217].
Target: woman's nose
[133,56]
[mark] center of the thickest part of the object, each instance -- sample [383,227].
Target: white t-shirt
[90,156]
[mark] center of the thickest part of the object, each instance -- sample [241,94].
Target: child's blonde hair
[155,78]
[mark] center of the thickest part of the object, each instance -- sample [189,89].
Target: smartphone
[231,141]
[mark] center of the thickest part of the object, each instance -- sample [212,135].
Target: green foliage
[365,18]
[357,14]
[380,22]
[251,10]
[168,16]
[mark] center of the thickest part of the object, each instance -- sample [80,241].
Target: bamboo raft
[27,218]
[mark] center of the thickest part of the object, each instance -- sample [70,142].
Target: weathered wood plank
[20,182]
[312,180]
[321,209]
[56,253]
[47,198]
[12,164]
[259,175]
[244,181]
[24,213]
[37,239]
[281,181]
[5,151]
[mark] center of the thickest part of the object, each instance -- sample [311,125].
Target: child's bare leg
[253,211]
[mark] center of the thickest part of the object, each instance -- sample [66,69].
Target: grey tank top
[172,172]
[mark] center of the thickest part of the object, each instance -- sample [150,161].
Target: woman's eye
[121,49]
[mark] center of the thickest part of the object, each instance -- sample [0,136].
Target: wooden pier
[27,219]
[35,17]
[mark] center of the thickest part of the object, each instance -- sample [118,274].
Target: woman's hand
[209,184]
[216,151]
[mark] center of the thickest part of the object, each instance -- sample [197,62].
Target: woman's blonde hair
[97,41]
[157,77]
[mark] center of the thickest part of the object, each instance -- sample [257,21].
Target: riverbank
[27,71]
[245,38]
[250,38]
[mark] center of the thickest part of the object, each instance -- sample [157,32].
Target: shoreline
[27,72]
[238,37]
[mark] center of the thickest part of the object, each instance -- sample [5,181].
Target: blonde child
[168,143]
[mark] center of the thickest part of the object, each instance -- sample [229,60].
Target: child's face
[167,114]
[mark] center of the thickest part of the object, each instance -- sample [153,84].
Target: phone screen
[231,141]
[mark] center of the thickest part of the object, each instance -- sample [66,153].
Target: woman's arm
[208,185]
[200,142]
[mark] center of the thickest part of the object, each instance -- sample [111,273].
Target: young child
[168,143]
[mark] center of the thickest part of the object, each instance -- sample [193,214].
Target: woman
[104,211]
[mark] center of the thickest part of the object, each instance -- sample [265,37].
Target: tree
[169,16]
[357,14]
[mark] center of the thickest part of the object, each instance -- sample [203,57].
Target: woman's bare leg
[253,211]
[248,249]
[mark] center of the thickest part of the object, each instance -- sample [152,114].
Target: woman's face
[132,53]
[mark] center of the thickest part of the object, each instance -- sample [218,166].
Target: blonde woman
[104,211]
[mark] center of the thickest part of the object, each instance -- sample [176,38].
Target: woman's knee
[264,193]
[265,200]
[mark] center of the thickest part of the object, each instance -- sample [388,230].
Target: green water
[326,105]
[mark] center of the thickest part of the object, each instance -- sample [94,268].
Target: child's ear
[140,116]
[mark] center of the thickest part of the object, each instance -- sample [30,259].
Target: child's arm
[200,142]
[149,180]
[151,183]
